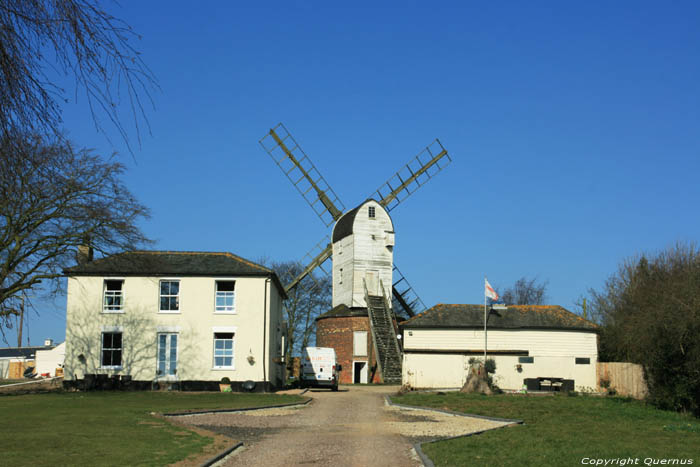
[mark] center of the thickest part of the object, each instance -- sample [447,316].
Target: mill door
[359,372]
[372,281]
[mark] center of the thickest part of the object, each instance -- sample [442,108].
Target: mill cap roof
[513,317]
[173,263]
[345,224]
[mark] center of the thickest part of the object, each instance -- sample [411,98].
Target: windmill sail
[295,164]
[413,175]
[405,301]
[316,258]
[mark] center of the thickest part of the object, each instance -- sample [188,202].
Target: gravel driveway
[352,427]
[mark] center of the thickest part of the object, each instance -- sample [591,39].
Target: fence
[626,378]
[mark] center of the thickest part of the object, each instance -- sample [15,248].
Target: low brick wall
[625,378]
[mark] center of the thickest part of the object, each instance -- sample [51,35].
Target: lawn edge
[427,462]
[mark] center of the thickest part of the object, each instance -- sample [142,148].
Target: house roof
[173,263]
[343,311]
[513,317]
[22,352]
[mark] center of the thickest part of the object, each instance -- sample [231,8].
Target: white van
[319,368]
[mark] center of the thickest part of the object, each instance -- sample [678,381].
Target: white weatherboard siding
[537,342]
[554,353]
[368,250]
[257,321]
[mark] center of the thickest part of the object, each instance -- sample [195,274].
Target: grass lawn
[108,428]
[562,430]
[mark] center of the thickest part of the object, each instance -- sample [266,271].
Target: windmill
[309,182]
[364,274]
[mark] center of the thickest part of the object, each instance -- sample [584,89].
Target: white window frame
[168,351]
[102,349]
[225,294]
[177,296]
[224,353]
[112,294]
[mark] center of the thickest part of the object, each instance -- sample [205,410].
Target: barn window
[372,212]
[583,361]
[113,298]
[223,350]
[111,350]
[341,276]
[225,296]
[526,359]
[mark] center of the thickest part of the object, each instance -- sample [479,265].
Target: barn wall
[424,371]
[550,343]
[554,353]
[338,334]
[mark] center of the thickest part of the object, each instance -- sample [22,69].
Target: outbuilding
[530,345]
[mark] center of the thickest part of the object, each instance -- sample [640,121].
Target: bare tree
[40,39]
[54,198]
[305,303]
[525,292]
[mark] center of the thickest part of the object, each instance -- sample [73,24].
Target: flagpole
[484,322]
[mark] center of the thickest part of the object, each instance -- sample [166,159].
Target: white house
[185,319]
[527,342]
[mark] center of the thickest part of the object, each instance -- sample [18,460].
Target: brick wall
[338,334]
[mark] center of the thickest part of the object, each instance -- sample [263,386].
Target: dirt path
[352,427]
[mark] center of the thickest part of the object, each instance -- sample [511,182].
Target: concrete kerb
[418,446]
[231,449]
[245,409]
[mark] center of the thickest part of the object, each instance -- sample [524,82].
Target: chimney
[84,254]
[48,342]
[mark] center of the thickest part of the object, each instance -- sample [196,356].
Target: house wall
[338,334]
[554,353]
[48,360]
[369,248]
[195,322]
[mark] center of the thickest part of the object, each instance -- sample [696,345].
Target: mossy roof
[513,317]
[343,311]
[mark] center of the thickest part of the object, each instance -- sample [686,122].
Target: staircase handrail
[387,307]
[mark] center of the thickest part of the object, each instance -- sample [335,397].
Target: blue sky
[573,130]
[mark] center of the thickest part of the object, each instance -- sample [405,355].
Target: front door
[359,372]
[167,355]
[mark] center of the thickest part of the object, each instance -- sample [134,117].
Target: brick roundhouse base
[337,332]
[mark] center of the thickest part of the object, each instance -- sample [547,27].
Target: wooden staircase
[386,345]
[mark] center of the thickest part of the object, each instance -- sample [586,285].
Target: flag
[490,293]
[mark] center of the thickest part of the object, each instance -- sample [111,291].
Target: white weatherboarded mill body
[363,253]
[527,342]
